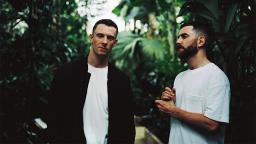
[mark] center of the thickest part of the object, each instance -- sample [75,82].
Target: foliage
[232,48]
[36,37]
[147,55]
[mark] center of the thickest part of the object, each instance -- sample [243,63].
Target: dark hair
[201,29]
[107,22]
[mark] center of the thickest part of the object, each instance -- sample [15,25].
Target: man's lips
[102,48]
[179,48]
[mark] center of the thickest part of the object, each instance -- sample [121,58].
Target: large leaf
[117,10]
[125,46]
[136,12]
[196,7]
[153,48]
[212,6]
[128,43]
[230,16]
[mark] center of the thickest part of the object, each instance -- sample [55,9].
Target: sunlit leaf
[154,48]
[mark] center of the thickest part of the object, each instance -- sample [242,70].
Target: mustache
[179,46]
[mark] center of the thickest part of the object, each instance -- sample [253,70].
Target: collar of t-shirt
[97,71]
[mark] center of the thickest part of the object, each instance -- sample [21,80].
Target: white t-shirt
[95,112]
[205,90]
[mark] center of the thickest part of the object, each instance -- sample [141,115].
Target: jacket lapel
[84,78]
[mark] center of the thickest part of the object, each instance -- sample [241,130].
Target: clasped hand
[167,102]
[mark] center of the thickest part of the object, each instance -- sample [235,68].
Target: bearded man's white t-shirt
[95,112]
[205,90]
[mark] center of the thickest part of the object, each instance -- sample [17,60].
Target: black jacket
[66,102]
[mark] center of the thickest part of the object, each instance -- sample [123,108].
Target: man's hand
[165,106]
[169,94]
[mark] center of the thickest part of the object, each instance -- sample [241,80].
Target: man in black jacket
[91,100]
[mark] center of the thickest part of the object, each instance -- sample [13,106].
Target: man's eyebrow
[104,34]
[183,34]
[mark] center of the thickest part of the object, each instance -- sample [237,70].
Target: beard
[187,53]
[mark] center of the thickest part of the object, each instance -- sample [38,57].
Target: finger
[166,98]
[174,94]
[168,89]
[166,95]
[161,108]
[166,92]
[159,102]
[174,90]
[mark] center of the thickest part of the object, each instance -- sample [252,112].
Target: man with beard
[199,101]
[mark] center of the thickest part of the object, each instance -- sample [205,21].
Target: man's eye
[100,35]
[184,36]
[110,38]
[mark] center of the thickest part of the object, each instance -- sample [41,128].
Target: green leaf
[117,10]
[125,46]
[133,13]
[195,7]
[212,6]
[230,16]
[153,48]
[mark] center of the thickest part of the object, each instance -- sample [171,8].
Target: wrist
[172,109]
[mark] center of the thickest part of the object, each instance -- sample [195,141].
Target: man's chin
[101,53]
[183,60]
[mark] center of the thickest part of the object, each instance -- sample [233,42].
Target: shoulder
[217,75]
[181,74]
[72,67]
[115,72]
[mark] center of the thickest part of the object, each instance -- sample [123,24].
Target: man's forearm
[195,119]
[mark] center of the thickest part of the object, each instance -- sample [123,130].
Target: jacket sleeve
[130,111]
[53,110]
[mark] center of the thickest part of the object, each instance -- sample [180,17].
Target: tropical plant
[147,55]
[36,37]
[232,49]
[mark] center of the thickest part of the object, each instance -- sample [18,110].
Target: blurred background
[37,37]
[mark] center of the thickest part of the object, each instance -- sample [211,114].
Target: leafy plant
[36,38]
[232,49]
[147,55]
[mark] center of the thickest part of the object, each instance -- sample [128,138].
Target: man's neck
[198,60]
[97,61]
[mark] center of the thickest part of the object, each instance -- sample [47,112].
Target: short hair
[107,22]
[200,29]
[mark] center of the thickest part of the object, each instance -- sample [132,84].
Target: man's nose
[178,41]
[105,39]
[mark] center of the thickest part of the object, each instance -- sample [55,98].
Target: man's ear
[91,36]
[201,41]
